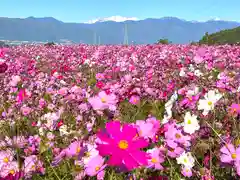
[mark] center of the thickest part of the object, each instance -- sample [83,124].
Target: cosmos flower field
[120,112]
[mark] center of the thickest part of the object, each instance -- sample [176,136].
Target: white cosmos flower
[198,73]
[190,124]
[186,159]
[63,130]
[191,68]
[208,103]
[182,73]
[192,92]
[168,108]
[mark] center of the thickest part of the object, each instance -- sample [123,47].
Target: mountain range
[108,31]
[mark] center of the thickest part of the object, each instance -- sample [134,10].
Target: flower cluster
[119,112]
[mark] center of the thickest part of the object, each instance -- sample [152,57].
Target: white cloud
[112,18]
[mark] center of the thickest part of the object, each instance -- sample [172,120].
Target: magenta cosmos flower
[123,145]
[3,67]
[235,108]
[103,101]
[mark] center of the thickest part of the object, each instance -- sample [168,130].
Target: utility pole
[125,34]
[95,38]
[99,40]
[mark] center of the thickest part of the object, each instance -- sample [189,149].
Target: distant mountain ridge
[109,32]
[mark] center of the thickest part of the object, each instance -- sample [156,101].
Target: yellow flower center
[185,160]
[78,149]
[12,172]
[234,155]
[87,154]
[189,122]
[103,100]
[154,160]
[178,136]
[33,167]
[210,103]
[97,168]
[123,144]
[6,160]
[135,100]
[190,98]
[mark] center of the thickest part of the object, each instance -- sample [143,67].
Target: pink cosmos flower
[134,99]
[10,168]
[83,107]
[123,145]
[190,102]
[235,108]
[148,128]
[26,110]
[103,101]
[229,153]
[174,137]
[176,152]
[15,80]
[5,158]
[74,149]
[63,91]
[33,164]
[95,166]
[42,103]
[17,141]
[156,158]
[17,176]
[100,76]
[187,172]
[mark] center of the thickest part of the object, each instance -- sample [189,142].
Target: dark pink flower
[123,145]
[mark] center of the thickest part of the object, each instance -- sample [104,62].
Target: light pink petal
[225,158]
[158,166]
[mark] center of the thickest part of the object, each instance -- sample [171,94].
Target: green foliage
[229,36]
[163,41]
[131,113]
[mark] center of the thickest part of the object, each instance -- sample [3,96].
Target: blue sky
[85,10]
